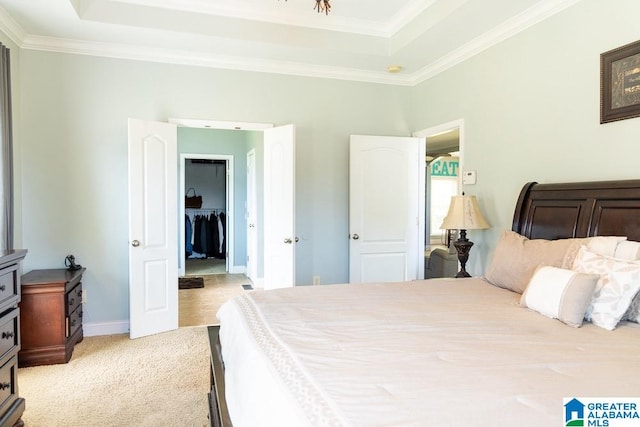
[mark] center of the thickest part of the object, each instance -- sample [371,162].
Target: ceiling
[358,40]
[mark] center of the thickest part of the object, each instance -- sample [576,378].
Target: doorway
[206,201]
[442,181]
[206,227]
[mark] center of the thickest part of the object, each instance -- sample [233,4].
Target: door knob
[355,237]
[288,240]
[135,243]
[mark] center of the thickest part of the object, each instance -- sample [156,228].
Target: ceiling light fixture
[322,6]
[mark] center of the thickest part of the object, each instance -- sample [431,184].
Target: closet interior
[205,216]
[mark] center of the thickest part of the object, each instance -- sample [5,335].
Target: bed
[487,350]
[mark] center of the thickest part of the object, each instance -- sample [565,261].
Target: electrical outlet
[316,280]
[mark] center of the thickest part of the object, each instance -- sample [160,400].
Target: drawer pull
[2,288]
[7,335]
[72,301]
[73,322]
[4,386]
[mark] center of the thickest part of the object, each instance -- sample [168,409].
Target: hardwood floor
[198,307]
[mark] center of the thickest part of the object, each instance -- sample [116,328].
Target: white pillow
[560,294]
[618,284]
[628,250]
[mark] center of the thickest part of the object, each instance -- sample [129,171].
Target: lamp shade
[464,214]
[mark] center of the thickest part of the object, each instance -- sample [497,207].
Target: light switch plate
[469,177]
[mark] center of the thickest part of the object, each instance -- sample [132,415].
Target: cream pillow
[628,250]
[618,285]
[560,294]
[516,258]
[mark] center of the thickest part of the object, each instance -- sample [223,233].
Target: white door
[252,221]
[279,207]
[384,208]
[153,233]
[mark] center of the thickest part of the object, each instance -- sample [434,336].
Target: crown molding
[11,28]
[515,25]
[519,23]
[201,59]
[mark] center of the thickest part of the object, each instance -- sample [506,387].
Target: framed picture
[620,83]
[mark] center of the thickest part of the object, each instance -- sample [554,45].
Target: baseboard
[108,328]
[238,269]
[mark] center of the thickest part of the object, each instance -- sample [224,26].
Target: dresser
[11,405]
[50,316]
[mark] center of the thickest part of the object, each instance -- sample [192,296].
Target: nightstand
[50,316]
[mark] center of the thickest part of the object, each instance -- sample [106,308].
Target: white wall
[74,143]
[530,106]
[531,111]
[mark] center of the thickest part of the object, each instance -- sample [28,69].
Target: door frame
[229,209]
[431,132]
[252,207]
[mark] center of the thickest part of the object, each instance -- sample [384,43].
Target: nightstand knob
[7,335]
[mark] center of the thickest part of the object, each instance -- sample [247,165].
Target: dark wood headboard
[556,211]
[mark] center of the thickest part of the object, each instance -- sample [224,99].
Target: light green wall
[530,107]
[74,164]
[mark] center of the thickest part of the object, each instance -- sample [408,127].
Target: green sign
[445,166]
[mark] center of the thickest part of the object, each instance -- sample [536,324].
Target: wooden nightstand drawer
[74,299]
[9,330]
[9,283]
[75,321]
[8,383]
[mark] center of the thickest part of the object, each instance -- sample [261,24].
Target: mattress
[431,352]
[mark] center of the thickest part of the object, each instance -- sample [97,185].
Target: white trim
[541,11]
[219,124]
[107,328]
[446,127]
[237,269]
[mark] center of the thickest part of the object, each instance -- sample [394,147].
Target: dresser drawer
[9,283]
[8,383]
[74,298]
[74,321]
[9,329]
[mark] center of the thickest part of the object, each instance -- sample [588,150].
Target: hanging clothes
[187,236]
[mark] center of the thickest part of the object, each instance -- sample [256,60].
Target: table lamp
[464,214]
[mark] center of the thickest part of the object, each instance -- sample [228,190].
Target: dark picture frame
[620,83]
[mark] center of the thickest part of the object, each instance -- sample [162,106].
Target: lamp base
[463,246]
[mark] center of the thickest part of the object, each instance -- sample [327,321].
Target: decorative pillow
[633,313]
[618,284]
[628,250]
[601,245]
[516,258]
[605,245]
[560,294]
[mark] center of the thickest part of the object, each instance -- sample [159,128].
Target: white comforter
[440,352]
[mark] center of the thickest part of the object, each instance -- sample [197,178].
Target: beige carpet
[161,380]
